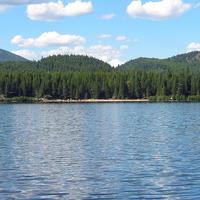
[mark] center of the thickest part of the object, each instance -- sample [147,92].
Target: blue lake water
[100,151]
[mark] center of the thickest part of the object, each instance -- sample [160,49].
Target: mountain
[85,63]
[176,63]
[187,57]
[8,56]
[73,63]
[58,63]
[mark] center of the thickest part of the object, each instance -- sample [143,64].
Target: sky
[114,31]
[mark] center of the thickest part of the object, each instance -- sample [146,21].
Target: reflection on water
[100,151]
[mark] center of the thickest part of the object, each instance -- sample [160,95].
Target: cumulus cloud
[121,38]
[20,2]
[105,36]
[5,4]
[103,52]
[106,53]
[53,10]
[116,62]
[30,55]
[48,39]
[124,47]
[157,10]
[108,16]
[3,8]
[193,46]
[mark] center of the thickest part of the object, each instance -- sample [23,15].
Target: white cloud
[157,10]
[5,4]
[116,62]
[108,16]
[26,54]
[121,38]
[193,46]
[54,10]
[20,2]
[103,52]
[3,8]
[105,36]
[48,39]
[124,47]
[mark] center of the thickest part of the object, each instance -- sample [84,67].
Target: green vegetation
[175,64]
[57,63]
[8,56]
[82,77]
[101,85]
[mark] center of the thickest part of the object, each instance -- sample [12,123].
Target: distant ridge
[73,63]
[176,63]
[6,56]
[55,63]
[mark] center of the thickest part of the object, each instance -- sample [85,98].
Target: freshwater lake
[100,151]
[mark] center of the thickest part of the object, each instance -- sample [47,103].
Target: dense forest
[101,85]
[175,63]
[82,77]
[57,63]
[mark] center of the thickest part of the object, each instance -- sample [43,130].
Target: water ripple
[100,151]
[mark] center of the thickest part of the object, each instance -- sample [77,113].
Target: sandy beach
[42,100]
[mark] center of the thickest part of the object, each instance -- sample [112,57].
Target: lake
[100,151]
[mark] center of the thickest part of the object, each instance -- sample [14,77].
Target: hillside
[175,63]
[8,56]
[85,63]
[72,63]
[58,63]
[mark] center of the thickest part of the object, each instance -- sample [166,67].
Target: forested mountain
[84,63]
[73,63]
[58,63]
[8,56]
[83,77]
[176,63]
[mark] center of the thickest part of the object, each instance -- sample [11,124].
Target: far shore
[43,100]
[93,100]
[68,101]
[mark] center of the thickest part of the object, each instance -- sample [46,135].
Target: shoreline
[95,101]
[68,101]
[73,101]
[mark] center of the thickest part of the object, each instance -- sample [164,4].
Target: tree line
[137,84]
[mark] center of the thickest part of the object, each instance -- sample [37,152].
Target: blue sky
[114,31]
